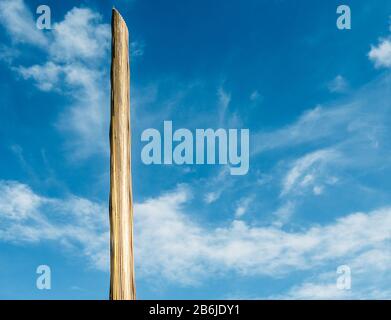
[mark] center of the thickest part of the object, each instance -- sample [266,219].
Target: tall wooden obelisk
[122,280]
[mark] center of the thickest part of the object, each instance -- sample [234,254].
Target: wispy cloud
[172,245]
[324,143]
[243,248]
[217,185]
[46,76]
[255,96]
[243,205]
[284,213]
[17,19]
[8,54]
[312,125]
[137,49]
[344,120]
[74,222]
[80,44]
[369,279]
[310,171]
[77,66]
[316,291]
[224,99]
[339,84]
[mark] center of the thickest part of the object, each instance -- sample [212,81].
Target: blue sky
[316,100]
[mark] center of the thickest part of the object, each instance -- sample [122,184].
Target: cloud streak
[181,250]
[75,223]
[173,246]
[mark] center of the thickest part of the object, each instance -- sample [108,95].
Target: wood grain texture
[122,282]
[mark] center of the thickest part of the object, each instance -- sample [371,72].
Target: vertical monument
[122,282]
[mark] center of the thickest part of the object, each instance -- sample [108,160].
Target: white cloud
[26,217]
[218,184]
[318,190]
[309,171]
[173,246]
[8,54]
[80,37]
[224,98]
[78,66]
[17,201]
[329,291]
[211,197]
[369,279]
[312,125]
[347,120]
[81,46]
[17,19]
[46,76]
[338,84]
[317,291]
[380,55]
[86,120]
[243,206]
[284,213]
[349,134]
